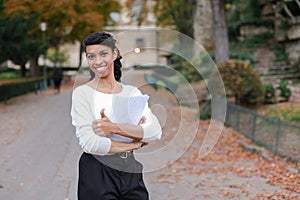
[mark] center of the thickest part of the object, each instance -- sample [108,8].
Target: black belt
[124,154]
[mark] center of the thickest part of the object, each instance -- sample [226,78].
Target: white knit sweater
[86,106]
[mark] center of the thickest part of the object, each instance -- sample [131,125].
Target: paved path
[38,149]
[39,154]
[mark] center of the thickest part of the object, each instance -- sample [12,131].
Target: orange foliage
[67,20]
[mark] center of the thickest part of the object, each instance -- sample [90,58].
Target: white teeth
[100,68]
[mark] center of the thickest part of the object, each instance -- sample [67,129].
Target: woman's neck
[106,85]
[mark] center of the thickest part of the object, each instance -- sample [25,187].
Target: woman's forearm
[117,147]
[135,132]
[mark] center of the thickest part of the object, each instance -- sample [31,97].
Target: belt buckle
[124,154]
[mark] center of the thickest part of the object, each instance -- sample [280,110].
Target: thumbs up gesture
[103,125]
[102,114]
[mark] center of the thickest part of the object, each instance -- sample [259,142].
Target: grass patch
[291,113]
[8,75]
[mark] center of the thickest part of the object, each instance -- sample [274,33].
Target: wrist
[115,128]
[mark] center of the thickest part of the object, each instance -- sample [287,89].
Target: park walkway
[39,154]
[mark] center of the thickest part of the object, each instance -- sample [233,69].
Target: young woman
[107,167]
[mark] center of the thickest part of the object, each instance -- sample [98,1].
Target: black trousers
[99,181]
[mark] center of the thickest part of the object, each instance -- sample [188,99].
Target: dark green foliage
[285,91]
[241,10]
[20,87]
[15,43]
[269,91]
[234,27]
[280,53]
[284,23]
[243,56]
[283,86]
[243,50]
[255,41]
[205,110]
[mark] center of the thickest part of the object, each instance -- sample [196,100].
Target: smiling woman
[102,56]
[108,168]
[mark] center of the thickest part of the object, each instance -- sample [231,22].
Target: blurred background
[254,44]
[39,36]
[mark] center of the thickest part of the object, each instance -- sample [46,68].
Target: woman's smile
[101,69]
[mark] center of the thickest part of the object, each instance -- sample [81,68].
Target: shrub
[205,111]
[285,91]
[242,81]
[19,87]
[269,91]
[282,86]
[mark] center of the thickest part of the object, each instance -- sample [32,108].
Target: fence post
[254,126]
[227,113]
[238,119]
[277,136]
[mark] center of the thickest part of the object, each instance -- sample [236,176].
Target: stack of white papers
[126,110]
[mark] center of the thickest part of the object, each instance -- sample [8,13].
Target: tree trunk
[220,31]
[203,26]
[23,70]
[34,67]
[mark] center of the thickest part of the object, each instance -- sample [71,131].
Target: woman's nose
[98,59]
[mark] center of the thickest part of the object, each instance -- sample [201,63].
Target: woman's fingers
[96,127]
[142,120]
[144,144]
[100,127]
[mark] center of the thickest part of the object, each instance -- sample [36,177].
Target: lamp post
[43,27]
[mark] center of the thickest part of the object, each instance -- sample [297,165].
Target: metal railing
[281,137]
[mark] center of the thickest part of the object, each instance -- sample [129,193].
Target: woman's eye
[91,57]
[103,54]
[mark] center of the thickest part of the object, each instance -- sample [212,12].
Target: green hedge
[19,87]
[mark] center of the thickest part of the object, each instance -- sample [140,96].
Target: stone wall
[286,30]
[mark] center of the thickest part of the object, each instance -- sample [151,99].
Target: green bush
[282,86]
[19,87]
[242,82]
[285,91]
[269,91]
[205,111]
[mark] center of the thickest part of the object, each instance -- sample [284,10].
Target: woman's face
[100,59]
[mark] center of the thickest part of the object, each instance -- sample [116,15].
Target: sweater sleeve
[82,119]
[151,128]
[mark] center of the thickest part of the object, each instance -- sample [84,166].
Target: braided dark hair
[107,40]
